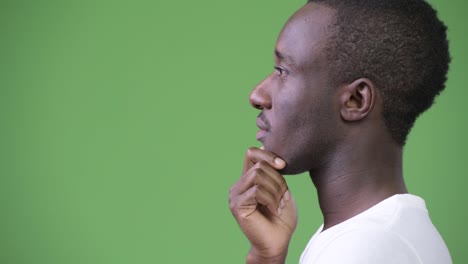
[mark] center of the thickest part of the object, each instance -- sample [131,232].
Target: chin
[293,167]
[293,164]
[290,170]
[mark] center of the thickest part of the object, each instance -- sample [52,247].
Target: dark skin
[335,133]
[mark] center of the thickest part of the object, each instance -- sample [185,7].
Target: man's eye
[280,70]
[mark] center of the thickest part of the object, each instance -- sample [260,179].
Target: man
[350,79]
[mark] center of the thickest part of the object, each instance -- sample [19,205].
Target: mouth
[263,126]
[260,135]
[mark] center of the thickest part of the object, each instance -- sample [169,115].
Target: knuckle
[232,194]
[250,151]
[283,184]
[232,205]
[278,188]
[257,171]
[256,190]
[263,164]
[257,176]
[260,178]
[232,188]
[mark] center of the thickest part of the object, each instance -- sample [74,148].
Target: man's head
[295,101]
[400,45]
[346,70]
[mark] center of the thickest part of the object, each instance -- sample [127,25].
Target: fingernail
[279,210]
[279,162]
[282,203]
[262,147]
[287,196]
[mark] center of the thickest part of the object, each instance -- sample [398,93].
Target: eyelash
[280,70]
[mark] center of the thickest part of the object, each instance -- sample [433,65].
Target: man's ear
[357,99]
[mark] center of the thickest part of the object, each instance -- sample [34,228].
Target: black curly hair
[401,45]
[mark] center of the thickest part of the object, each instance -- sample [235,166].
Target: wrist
[255,257]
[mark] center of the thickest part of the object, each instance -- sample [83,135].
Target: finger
[287,196]
[257,176]
[264,175]
[247,202]
[285,199]
[282,203]
[288,205]
[274,175]
[254,155]
[243,204]
[267,199]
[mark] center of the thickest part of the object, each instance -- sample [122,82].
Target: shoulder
[367,245]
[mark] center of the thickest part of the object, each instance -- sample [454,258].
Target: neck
[357,178]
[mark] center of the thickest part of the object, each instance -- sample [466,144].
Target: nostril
[259,99]
[255,102]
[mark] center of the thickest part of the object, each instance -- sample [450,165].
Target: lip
[263,129]
[261,124]
[260,134]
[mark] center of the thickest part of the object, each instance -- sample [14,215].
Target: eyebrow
[283,57]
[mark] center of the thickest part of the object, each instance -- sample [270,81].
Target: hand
[263,206]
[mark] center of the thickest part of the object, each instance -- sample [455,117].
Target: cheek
[296,111]
[288,114]
[302,120]
[293,126]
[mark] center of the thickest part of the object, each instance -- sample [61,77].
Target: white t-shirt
[397,230]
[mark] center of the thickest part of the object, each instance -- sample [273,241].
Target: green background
[124,123]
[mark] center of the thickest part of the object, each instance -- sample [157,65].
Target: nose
[260,97]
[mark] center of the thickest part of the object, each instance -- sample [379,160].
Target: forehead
[303,36]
